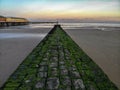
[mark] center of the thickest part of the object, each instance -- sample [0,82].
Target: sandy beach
[103,47]
[16,46]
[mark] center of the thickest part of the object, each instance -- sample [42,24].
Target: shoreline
[103,47]
[14,50]
[58,59]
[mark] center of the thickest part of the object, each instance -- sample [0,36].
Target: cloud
[60,8]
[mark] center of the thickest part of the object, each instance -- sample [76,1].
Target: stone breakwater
[57,63]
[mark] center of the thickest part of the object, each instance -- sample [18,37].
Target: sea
[65,25]
[96,26]
[13,48]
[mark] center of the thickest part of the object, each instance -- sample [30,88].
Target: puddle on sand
[21,35]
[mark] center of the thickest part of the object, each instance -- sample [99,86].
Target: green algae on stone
[57,63]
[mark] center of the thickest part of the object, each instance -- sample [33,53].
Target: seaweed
[58,63]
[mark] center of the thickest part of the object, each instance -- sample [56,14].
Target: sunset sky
[61,9]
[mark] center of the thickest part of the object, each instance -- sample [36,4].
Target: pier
[12,21]
[58,63]
[41,22]
[7,24]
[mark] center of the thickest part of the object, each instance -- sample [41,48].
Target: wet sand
[103,47]
[15,48]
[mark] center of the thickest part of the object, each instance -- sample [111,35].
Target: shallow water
[18,41]
[65,26]
[19,31]
[30,26]
[20,35]
[98,26]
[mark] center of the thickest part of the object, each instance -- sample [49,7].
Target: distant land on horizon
[86,11]
[75,20]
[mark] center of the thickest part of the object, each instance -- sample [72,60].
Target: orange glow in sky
[61,9]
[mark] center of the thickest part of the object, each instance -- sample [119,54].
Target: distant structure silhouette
[57,22]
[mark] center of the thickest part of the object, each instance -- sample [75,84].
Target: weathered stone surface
[92,87]
[43,63]
[40,84]
[65,88]
[64,72]
[61,62]
[68,88]
[53,64]
[54,72]
[27,81]
[52,83]
[74,74]
[45,59]
[66,81]
[62,67]
[42,74]
[72,68]
[71,62]
[37,65]
[55,58]
[78,84]
[67,57]
[47,54]
[67,51]
[43,68]
[62,53]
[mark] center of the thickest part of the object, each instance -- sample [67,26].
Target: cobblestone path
[57,63]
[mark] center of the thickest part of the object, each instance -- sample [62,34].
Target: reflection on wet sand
[15,44]
[20,35]
[101,43]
